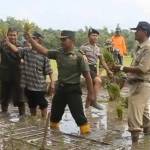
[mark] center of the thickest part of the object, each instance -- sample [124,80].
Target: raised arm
[38,47]
[10,45]
[102,61]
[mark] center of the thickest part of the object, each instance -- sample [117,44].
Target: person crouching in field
[33,77]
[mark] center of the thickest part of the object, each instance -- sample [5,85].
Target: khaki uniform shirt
[142,60]
[92,53]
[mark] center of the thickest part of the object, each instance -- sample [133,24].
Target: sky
[76,14]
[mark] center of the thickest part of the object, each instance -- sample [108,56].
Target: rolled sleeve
[52,54]
[84,64]
[83,49]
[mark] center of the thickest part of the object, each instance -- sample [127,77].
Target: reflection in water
[104,123]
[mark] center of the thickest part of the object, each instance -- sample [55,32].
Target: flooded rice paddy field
[108,133]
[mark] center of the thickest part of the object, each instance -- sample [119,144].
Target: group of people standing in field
[23,69]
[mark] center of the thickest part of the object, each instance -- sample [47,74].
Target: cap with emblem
[143,25]
[67,34]
[91,30]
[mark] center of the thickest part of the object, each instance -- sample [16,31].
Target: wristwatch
[121,68]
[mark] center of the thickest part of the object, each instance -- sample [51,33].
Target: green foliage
[108,57]
[114,93]
[3,30]
[28,27]
[113,90]
[51,36]
[119,110]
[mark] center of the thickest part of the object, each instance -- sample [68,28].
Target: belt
[139,80]
[68,84]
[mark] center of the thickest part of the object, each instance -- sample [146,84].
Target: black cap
[143,25]
[118,29]
[91,30]
[37,35]
[67,34]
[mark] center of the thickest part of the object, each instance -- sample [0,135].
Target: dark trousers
[11,90]
[117,57]
[93,71]
[68,95]
[36,98]
[120,58]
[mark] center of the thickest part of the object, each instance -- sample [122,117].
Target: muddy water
[108,133]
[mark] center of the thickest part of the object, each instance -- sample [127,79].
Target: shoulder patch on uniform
[87,43]
[80,56]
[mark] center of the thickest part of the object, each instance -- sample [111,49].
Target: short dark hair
[12,29]
[93,31]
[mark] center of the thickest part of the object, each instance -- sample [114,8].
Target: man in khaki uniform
[139,78]
[93,53]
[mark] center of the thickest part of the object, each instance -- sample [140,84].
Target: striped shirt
[34,70]
[92,53]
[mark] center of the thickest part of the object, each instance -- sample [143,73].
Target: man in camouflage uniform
[93,53]
[10,75]
[139,78]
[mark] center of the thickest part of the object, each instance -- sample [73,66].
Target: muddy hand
[115,68]
[6,41]
[110,74]
[27,36]
[89,100]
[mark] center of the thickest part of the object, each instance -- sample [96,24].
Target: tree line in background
[51,37]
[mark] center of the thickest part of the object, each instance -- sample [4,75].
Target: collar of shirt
[93,45]
[147,42]
[72,51]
